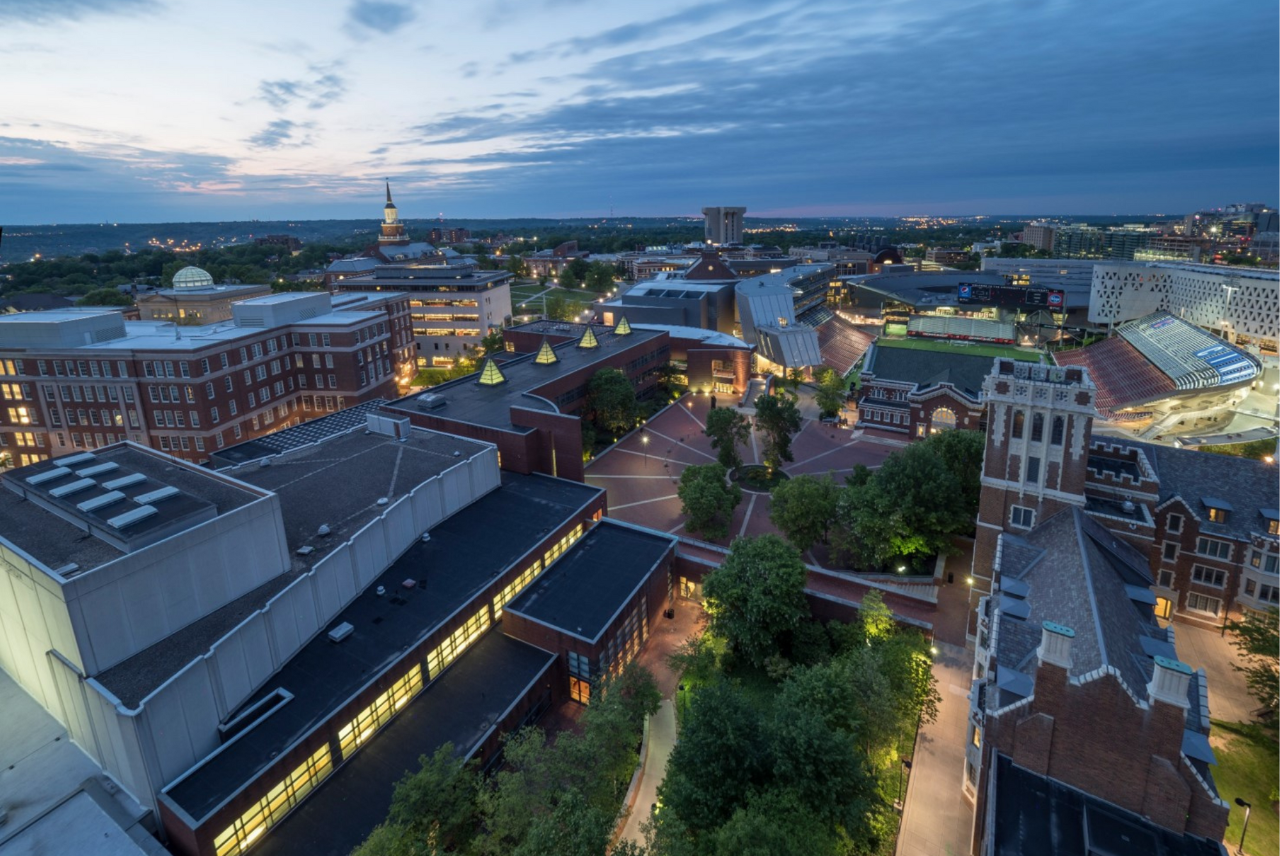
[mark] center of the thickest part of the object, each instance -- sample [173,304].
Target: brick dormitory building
[80,379]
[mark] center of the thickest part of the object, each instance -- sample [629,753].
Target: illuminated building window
[268,811]
[373,717]
[563,544]
[504,597]
[461,639]
[579,690]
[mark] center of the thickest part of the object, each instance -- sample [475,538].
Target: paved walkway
[662,739]
[1200,648]
[937,819]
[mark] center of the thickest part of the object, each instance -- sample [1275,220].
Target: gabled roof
[1078,574]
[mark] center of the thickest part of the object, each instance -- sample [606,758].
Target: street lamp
[1244,829]
[644,443]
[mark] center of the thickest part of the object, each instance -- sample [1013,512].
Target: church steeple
[392,229]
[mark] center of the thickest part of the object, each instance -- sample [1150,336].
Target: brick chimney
[1055,645]
[1170,682]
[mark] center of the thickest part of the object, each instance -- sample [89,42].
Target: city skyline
[153,110]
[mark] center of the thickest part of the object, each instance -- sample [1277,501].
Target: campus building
[338,622]
[452,306]
[1080,706]
[1233,303]
[81,379]
[921,392]
[1210,556]
[194,299]
[724,224]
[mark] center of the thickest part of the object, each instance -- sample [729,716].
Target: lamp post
[1244,829]
[644,444]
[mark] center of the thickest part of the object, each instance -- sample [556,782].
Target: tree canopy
[611,401]
[728,429]
[1257,638]
[832,393]
[803,508]
[707,499]
[778,419]
[756,597]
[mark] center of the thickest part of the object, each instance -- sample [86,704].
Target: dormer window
[1218,509]
[1217,515]
[1272,517]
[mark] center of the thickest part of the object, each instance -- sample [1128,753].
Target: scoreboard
[1011,295]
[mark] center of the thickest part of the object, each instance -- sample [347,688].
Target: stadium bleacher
[1121,373]
[972,329]
[841,343]
[1190,357]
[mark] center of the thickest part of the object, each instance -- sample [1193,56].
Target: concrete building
[1236,303]
[1076,686]
[1091,242]
[1039,235]
[1072,276]
[724,225]
[1210,557]
[451,306]
[552,262]
[194,299]
[73,380]
[946,256]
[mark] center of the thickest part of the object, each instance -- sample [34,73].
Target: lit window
[461,639]
[264,814]
[373,717]
[508,593]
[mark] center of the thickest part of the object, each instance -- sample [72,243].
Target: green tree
[707,499]
[720,758]
[1257,638]
[803,508]
[569,278]
[557,306]
[905,512]
[638,694]
[756,597]
[433,810]
[778,419]
[728,429]
[492,343]
[517,266]
[579,268]
[611,401]
[776,822]
[875,618]
[962,452]
[105,297]
[600,277]
[831,394]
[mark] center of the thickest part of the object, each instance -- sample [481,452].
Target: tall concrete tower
[724,225]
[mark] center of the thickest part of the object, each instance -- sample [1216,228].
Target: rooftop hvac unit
[431,401]
[342,631]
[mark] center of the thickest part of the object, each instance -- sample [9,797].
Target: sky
[166,110]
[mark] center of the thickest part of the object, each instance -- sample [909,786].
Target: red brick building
[82,379]
[919,393]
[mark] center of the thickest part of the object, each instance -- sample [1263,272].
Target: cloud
[46,11]
[326,87]
[380,15]
[280,133]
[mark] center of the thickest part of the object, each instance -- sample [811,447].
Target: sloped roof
[928,368]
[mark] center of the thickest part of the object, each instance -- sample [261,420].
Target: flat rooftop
[53,540]
[466,401]
[586,587]
[964,368]
[464,555]
[296,437]
[337,483]
[468,700]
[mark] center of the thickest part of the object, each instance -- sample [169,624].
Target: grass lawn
[952,348]
[1248,760]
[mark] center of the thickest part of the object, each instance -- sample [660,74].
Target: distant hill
[21,243]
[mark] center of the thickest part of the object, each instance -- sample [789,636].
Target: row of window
[439,658]
[265,813]
[502,598]
[560,546]
[1056,430]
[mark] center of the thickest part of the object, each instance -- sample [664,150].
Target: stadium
[1160,374]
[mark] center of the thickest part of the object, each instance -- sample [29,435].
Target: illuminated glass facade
[264,814]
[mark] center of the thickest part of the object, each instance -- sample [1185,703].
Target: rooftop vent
[98,469]
[72,487]
[324,529]
[129,518]
[156,495]
[125,481]
[100,501]
[48,475]
[431,401]
[342,631]
[82,458]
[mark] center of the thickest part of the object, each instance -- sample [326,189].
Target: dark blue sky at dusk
[154,110]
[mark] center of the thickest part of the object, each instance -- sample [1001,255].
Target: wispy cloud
[380,15]
[46,11]
[326,86]
[281,132]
